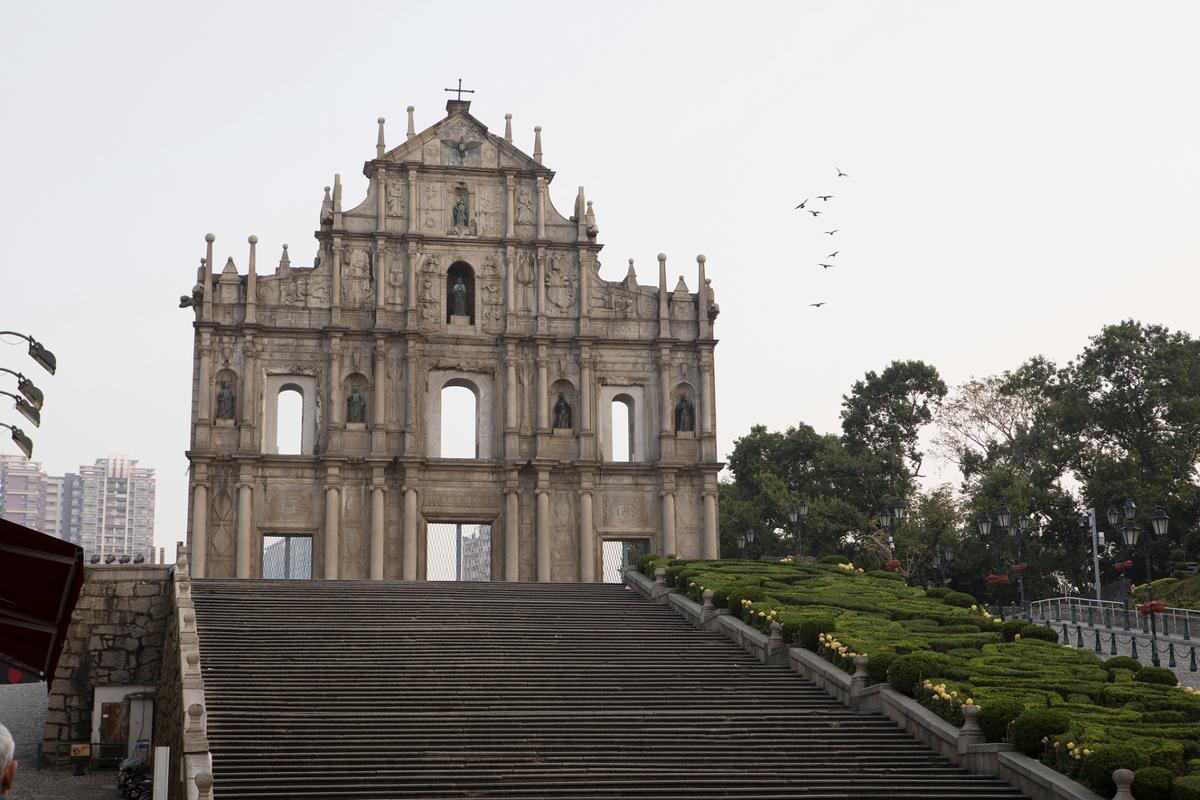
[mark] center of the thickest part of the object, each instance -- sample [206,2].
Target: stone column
[510,388]
[206,278]
[244,529]
[510,209]
[249,394]
[379,398]
[587,540]
[378,510]
[711,541]
[543,533]
[411,390]
[412,206]
[199,550]
[204,390]
[666,425]
[409,565]
[335,291]
[668,524]
[541,208]
[512,534]
[707,412]
[410,277]
[585,391]
[336,401]
[543,390]
[380,271]
[332,539]
[381,179]
[540,289]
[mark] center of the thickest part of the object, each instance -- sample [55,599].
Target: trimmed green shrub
[1096,770]
[936,591]
[1164,717]
[1030,727]
[1123,662]
[919,624]
[1186,788]
[809,631]
[646,564]
[890,576]
[960,599]
[906,672]
[1037,632]
[833,559]
[1158,675]
[1011,628]
[1152,783]
[877,666]
[995,715]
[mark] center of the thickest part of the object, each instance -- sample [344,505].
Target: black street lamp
[989,530]
[25,386]
[23,442]
[1130,534]
[890,518]
[37,352]
[744,540]
[796,515]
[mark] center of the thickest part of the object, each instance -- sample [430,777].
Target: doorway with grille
[458,551]
[620,555]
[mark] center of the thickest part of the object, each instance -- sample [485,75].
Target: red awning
[40,580]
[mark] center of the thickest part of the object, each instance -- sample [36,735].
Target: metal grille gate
[458,551]
[621,554]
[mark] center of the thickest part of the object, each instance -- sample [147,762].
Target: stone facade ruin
[455,271]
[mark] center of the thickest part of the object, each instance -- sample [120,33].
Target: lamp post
[744,540]
[23,442]
[988,530]
[25,386]
[796,515]
[1017,528]
[1131,534]
[890,518]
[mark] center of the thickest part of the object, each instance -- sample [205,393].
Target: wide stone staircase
[339,689]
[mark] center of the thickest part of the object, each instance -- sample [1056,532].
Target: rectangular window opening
[287,557]
[458,551]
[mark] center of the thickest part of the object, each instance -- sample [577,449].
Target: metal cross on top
[460,90]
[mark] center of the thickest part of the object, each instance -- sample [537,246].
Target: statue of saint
[460,214]
[562,412]
[356,406]
[225,401]
[459,304]
[685,415]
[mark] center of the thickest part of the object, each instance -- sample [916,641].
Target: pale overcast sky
[1020,174]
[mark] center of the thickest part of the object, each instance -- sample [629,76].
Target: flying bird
[833,254]
[841,174]
[802,204]
[817,305]
[814,213]
[826,266]
[824,197]
[832,232]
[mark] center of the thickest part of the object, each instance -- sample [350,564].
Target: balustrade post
[1096,633]
[1171,655]
[776,653]
[970,733]
[1126,619]
[1079,636]
[1192,667]
[858,682]
[1123,778]
[1133,646]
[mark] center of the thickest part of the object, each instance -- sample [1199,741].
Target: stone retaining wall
[116,638]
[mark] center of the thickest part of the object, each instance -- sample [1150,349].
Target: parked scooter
[134,779]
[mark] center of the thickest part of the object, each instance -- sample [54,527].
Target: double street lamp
[1131,534]
[991,529]
[890,518]
[744,540]
[29,402]
[796,515]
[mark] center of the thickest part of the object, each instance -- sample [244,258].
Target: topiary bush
[936,591]
[1152,783]
[1123,662]
[1011,628]
[1096,770]
[906,672]
[890,576]
[995,715]
[1161,676]
[833,559]
[877,666]
[1037,632]
[810,629]
[1186,788]
[1030,727]
[960,599]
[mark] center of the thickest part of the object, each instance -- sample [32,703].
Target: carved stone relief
[305,290]
[490,276]
[267,292]
[431,207]
[524,207]
[625,510]
[397,197]
[561,283]
[289,504]
[357,291]
[394,258]
[525,273]
[430,280]
[222,524]
[488,211]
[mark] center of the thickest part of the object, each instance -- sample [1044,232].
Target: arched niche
[463,301]
[356,399]
[684,419]
[564,388]
[226,392]
[481,386]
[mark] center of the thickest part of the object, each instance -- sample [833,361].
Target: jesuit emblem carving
[524,207]
[460,152]
[560,282]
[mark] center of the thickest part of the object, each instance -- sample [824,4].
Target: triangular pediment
[461,140]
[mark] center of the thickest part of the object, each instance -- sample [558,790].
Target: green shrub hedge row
[1075,711]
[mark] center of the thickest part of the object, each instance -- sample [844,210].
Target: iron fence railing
[1179,623]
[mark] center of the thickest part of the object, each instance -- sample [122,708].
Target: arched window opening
[459,423]
[460,292]
[622,428]
[289,421]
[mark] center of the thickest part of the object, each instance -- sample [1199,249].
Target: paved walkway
[31,784]
[1125,642]
[23,712]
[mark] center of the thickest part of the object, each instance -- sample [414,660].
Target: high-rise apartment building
[107,507]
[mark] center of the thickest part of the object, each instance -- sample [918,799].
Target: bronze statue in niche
[460,291]
[562,412]
[356,406]
[685,415]
[226,401]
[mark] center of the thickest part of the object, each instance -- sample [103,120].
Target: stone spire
[537,143]
[508,128]
[379,147]
[412,126]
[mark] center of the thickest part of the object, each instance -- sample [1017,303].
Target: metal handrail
[1178,622]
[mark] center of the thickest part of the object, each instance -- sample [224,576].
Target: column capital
[331,487]
[202,483]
